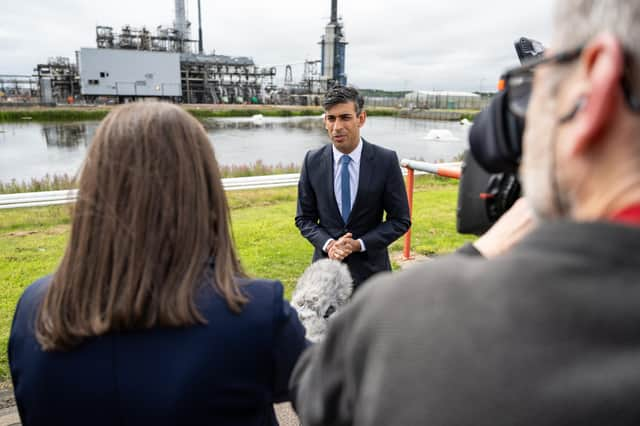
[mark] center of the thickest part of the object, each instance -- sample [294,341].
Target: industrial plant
[169,63]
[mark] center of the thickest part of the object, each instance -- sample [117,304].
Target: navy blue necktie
[346,187]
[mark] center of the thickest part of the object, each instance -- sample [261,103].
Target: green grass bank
[80,113]
[32,240]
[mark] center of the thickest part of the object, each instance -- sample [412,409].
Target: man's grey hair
[341,95]
[577,21]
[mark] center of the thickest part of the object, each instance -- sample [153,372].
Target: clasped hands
[343,247]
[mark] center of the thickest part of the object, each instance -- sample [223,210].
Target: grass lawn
[32,240]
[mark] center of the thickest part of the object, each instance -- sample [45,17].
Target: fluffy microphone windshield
[322,290]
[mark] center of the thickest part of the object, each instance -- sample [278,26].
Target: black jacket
[380,189]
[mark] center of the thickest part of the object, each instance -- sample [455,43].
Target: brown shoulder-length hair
[151,215]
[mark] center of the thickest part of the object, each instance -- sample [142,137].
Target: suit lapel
[366,171]
[327,160]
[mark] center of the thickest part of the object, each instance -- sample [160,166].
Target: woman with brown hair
[149,318]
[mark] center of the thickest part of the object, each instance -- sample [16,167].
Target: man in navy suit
[346,187]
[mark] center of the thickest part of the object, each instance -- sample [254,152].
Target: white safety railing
[50,198]
[33,199]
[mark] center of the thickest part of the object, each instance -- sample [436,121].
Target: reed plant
[55,182]
[58,182]
[382,112]
[258,169]
[52,114]
[471,115]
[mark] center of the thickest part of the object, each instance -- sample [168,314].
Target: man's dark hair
[341,95]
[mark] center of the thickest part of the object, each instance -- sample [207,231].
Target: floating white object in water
[465,122]
[440,135]
[257,119]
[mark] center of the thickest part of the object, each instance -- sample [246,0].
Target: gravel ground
[6,398]
[285,414]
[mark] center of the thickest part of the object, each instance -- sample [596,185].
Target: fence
[442,101]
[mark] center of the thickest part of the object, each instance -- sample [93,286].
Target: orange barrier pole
[406,254]
[450,173]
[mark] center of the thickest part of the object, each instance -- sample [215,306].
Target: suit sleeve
[396,206]
[288,343]
[307,210]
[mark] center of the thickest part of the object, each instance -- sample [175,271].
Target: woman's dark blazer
[227,372]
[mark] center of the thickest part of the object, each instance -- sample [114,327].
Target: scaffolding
[223,79]
[18,88]
[58,80]
[307,91]
[165,39]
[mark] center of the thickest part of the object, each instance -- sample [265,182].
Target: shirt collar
[355,154]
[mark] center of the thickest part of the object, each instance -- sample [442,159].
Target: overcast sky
[393,45]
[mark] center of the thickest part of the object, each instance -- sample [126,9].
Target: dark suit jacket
[227,372]
[380,189]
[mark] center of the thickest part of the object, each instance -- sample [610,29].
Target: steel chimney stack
[334,11]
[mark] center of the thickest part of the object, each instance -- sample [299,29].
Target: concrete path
[9,417]
[285,414]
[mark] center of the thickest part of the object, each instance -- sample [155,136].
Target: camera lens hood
[495,138]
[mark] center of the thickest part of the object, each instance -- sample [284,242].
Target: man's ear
[362,118]
[602,63]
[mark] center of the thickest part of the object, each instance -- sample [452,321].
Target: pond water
[33,150]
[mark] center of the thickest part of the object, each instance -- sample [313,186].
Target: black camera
[489,183]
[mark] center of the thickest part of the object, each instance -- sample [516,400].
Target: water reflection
[67,135]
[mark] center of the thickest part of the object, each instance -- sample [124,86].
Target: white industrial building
[129,73]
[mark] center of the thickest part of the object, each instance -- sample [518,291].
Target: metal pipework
[334,11]
[180,23]
[451,170]
[200,48]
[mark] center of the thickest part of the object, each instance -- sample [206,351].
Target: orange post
[450,173]
[406,254]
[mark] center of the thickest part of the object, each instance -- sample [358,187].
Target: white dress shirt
[354,176]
